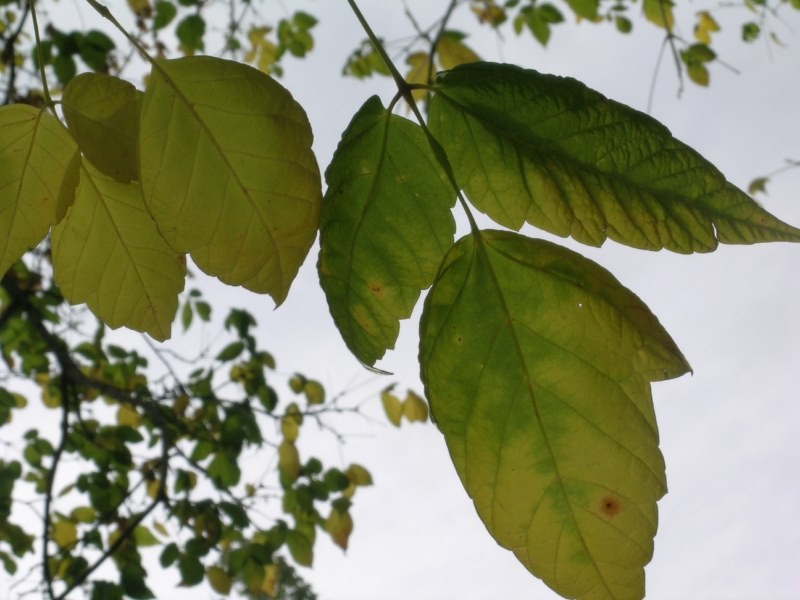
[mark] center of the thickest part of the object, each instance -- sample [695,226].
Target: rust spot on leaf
[610,506]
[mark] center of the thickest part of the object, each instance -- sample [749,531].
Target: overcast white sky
[729,526]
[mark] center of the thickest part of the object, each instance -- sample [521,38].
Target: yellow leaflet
[108,254]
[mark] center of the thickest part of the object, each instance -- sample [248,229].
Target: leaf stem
[103,11]
[399,80]
[40,56]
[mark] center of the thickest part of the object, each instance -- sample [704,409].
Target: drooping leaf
[586,9]
[552,152]
[537,364]
[39,172]
[108,254]
[392,406]
[102,112]
[659,12]
[385,227]
[227,171]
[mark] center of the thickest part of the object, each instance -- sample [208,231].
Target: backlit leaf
[552,152]
[385,227]
[300,548]
[102,112]
[40,163]
[107,253]
[537,364]
[452,51]
[392,407]
[414,408]
[219,580]
[227,171]
[586,9]
[64,534]
[659,12]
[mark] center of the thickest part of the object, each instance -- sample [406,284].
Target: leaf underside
[385,227]
[537,364]
[102,112]
[108,253]
[39,174]
[227,171]
[549,151]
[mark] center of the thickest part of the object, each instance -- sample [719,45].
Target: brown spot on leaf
[610,506]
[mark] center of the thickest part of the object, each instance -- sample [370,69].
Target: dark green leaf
[164,14]
[190,32]
[385,226]
[552,152]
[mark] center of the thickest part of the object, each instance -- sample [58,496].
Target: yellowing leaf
[102,112]
[358,475]
[385,227]
[453,52]
[290,423]
[127,415]
[108,253]
[537,364]
[314,392]
[270,582]
[64,534]
[289,460]
[219,580]
[549,151]
[419,72]
[83,514]
[37,182]
[227,171]
[392,407]
[414,408]
[144,537]
[339,526]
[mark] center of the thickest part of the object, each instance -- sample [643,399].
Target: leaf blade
[37,182]
[246,206]
[385,227]
[549,151]
[554,402]
[137,282]
[103,112]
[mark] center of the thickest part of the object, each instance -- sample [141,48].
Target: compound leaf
[537,365]
[552,152]
[108,254]
[227,171]
[102,112]
[39,163]
[385,227]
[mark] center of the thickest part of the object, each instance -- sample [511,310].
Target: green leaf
[102,112]
[219,580]
[385,227]
[227,171]
[537,364]
[190,32]
[38,179]
[300,547]
[107,253]
[659,12]
[552,152]
[164,14]
[585,8]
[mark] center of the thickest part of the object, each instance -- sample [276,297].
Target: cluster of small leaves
[160,462]
[60,50]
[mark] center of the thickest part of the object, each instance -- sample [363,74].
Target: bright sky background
[729,525]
